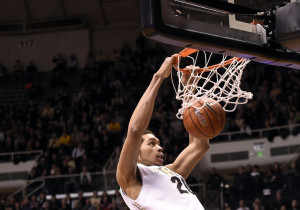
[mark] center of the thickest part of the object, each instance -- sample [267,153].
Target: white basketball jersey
[162,189]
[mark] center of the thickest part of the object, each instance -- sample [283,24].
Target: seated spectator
[245,129]
[72,64]
[54,143]
[213,185]
[292,177]
[294,205]
[68,201]
[279,201]
[86,183]
[17,206]
[242,206]
[78,151]
[64,205]
[54,203]
[31,72]
[227,206]
[277,178]
[18,71]
[106,203]
[88,162]
[114,126]
[71,183]
[42,201]
[3,73]
[65,138]
[118,202]
[60,63]
[88,205]
[33,202]
[239,183]
[271,122]
[95,200]
[79,202]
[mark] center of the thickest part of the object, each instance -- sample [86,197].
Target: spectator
[18,71]
[65,138]
[118,202]
[242,206]
[64,205]
[213,186]
[3,73]
[17,206]
[72,64]
[58,71]
[54,143]
[54,203]
[47,112]
[95,200]
[70,184]
[278,202]
[33,202]
[114,126]
[86,183]
[31,72]
[79,202]
[87,162]
[78,151]
[227,206]
[10,204]
[256,183]
[239,183]
[88,205]
[60,62]
[106,202]
[277,177]
[294,205]
[42,201]
[271,122]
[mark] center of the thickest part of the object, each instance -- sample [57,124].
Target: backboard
[225,27]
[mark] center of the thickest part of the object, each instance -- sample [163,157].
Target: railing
[63,184]
[12,156]
[31,187]
[258,133]
[111,163]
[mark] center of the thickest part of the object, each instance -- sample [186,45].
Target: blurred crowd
[78,131]
[255,187]
[79,202]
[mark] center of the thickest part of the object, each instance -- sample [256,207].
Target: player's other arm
[126,169]
[190,156]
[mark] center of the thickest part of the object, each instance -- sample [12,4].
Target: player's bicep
[126,169]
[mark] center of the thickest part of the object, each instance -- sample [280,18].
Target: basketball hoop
[220,81]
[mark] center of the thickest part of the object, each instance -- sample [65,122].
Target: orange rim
[188,51]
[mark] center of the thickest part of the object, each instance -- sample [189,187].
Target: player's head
[150,150]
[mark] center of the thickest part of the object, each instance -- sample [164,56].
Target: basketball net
[220,82]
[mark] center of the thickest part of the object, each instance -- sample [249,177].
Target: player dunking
[145,183]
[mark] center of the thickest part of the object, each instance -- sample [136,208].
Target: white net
[220,82]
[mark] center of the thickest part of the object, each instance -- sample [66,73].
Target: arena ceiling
[97,12]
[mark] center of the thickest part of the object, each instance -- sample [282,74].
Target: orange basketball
[204,123]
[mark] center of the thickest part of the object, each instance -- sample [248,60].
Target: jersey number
[181,182]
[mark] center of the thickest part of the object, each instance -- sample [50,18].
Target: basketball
[204,123]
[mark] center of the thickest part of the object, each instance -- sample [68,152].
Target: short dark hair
[147,131]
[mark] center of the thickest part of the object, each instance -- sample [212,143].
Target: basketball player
[145,183]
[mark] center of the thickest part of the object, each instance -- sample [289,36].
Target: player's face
[150,151]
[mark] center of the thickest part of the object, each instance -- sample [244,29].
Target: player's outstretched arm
[193,153]
[126,169]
